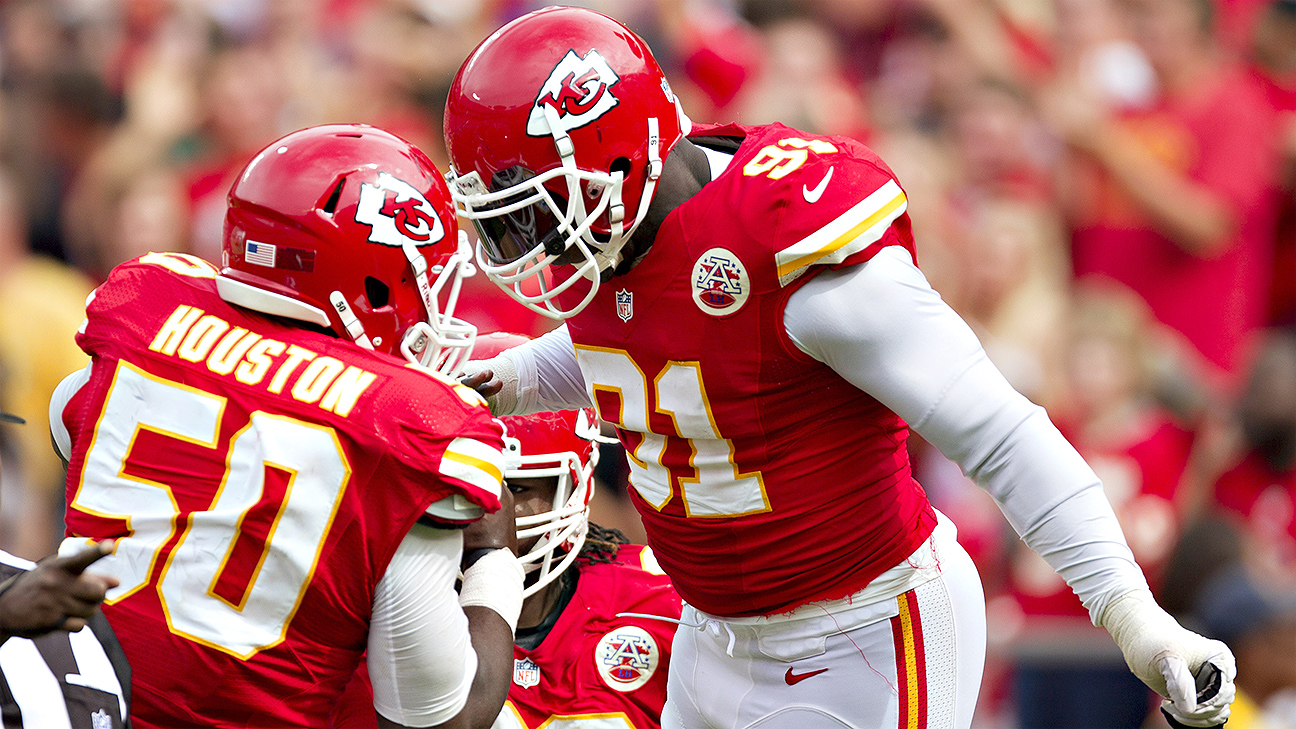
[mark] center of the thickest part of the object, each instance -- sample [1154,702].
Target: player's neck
[538,607]
[683,174]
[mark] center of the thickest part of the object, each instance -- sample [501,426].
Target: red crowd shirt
[1223,138]
[1281,94]
[1262,495]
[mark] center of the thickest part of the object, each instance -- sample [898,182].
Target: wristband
[494,581]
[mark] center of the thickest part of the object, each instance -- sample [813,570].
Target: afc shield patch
[624,304]
[396,213]
[720,282]
[626,658]
[526,673]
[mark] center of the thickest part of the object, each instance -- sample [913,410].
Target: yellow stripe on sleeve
[849,233]
[475,463]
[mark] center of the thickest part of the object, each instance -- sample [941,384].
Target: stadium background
[1102,188]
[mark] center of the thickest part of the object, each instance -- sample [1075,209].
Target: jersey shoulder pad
[435,425]
[151,280]
[632,582]
[825,200]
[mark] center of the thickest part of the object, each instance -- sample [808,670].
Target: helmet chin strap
[609,255]
[354,328]
[616,211]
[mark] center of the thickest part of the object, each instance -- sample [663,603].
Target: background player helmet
[546,445]
[557,126]
[341,226]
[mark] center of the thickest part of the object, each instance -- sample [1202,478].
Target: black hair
[601,544]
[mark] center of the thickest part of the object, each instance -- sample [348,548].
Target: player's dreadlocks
[601,544]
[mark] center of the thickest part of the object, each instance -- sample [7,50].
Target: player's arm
[903,345]
[67,388]
[534,377]
[437,657]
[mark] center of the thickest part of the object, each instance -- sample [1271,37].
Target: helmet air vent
[331,204]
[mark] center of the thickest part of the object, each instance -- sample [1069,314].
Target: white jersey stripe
[475,463]
[848,234]
[96,671]
[34,687]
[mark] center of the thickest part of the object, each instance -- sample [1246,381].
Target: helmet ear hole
[376,292]
[622,165]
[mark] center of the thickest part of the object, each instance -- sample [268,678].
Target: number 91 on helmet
[351,229]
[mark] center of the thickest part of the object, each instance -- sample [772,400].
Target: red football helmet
[545,445]
[339,226]
[557,125]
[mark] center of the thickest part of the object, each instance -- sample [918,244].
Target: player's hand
[1165,656]
[56,595]
[483,381]
[493,531]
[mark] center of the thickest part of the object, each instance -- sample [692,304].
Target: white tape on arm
[495,581]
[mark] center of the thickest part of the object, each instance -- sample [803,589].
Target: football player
[285,474]
[743,304]
[593,639]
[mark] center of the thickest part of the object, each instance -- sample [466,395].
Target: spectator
[803,84]
[1174,200]
[41,305]
[1245,462]
[1257,618]
[1273,64]
[51,631]
[243,98]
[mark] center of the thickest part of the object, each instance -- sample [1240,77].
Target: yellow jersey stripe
[474,462]
[889,211]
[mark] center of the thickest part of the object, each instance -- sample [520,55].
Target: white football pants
[912,661]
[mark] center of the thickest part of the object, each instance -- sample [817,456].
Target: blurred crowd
[1104,189]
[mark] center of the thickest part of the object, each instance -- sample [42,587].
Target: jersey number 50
[241,566]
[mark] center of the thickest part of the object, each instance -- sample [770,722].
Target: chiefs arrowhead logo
[579,89]
[396,212]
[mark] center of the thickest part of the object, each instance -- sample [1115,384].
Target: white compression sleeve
[59,402]
[421,659]
[544,375]
[883,328]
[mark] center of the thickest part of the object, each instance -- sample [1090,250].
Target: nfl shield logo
[625,304]
[100,720]
[525,672]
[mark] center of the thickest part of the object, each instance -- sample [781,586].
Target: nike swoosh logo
[792,678]
[812,196]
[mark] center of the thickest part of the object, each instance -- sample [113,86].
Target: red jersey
[765,481]
[1265,497]
[594,664]
[258,479]
[591,665]
[1223,138]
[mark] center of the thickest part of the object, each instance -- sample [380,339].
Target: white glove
[1165,656]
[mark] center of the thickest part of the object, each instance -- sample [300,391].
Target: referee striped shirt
[63,680]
